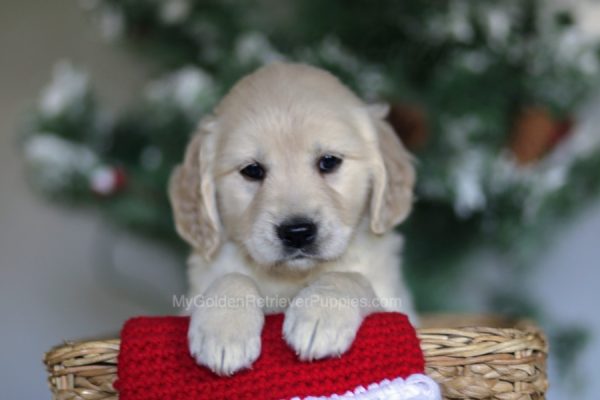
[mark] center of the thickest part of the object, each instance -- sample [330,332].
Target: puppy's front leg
[323,318]
[225,327]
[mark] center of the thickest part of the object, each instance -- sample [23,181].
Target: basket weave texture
[470,357]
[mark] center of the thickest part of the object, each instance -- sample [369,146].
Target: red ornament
[106,181]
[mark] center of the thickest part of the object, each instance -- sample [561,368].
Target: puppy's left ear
[393,176]
[192,193]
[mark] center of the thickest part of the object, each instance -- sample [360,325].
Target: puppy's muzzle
[297,233]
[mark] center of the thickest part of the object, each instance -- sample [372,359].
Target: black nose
[297,233]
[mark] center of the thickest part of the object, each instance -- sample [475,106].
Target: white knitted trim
[415,387]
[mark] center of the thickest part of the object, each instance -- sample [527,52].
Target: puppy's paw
[318,326]
[225,340]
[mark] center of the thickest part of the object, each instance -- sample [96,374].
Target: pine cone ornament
[410,123]
[535,133]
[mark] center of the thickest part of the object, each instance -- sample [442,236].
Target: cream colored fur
[286,116]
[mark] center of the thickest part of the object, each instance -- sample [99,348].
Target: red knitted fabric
[154,363]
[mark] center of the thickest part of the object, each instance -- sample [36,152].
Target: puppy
[288,194]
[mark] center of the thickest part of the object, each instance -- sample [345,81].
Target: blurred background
[497,100]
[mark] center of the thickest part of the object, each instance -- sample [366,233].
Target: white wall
[567,282]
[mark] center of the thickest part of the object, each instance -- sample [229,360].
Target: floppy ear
[393,176]
[192,194]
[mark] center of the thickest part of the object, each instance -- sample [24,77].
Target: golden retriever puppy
[288,195]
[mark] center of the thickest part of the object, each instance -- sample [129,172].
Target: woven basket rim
[503,359]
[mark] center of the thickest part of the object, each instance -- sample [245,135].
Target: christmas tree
[484,93]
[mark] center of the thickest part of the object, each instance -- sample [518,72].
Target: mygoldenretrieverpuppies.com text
[279,302]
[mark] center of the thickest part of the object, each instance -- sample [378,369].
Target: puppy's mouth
[300,259]
[299,255]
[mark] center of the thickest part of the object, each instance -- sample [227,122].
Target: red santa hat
[385,362]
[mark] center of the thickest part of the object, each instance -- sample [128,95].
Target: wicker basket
[471,358]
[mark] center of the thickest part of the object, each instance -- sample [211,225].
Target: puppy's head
[287,166]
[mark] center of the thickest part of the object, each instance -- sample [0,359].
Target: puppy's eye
[254,172]
[329,163]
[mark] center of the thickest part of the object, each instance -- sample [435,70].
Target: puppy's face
[287,167]
[292,183]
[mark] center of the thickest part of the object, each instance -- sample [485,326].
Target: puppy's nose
[297,233]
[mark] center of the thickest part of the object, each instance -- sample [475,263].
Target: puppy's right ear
[394,176]
[192,193]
